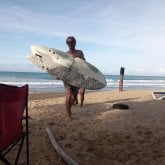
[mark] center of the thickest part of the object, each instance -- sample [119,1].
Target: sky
[111,33]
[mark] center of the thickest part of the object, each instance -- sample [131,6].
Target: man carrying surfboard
[72,91]
[68,67]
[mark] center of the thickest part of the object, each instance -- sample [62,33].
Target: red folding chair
[13,110]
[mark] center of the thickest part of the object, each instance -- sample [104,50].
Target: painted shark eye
[54,52]
[49,50]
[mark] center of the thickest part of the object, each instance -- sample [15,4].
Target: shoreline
[98,133]
[43,82]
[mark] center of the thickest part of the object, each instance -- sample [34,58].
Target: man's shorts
[69,88]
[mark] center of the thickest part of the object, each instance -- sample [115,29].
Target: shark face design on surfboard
[63,66]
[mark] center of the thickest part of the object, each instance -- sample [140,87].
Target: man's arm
[82,55]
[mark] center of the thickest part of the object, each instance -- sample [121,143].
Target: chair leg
[27,132]
[4,160]
[11,147]
[27,147]
[19,150]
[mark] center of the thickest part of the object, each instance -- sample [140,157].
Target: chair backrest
[13,101]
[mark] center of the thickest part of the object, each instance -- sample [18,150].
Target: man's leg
[68,93]
[76,100]
[82,92]
[74,92]
[68,103]
[70,99]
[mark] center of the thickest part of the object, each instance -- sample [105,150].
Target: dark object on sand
[120,106]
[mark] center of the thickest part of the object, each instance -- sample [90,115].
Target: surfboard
[63,66]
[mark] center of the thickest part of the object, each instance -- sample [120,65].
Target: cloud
[19,19]
[11,66]
[113,23]
[140,70]
[131,30]
[161,70]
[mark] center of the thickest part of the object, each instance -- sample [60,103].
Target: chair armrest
[25,117]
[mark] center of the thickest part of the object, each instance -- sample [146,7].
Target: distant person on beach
[71,91]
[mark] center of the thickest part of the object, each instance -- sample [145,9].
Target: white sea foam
[43,82]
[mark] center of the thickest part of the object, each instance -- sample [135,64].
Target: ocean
[43,82]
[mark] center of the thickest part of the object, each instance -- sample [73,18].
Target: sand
[98,134]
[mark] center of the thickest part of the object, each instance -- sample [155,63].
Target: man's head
[71,42]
